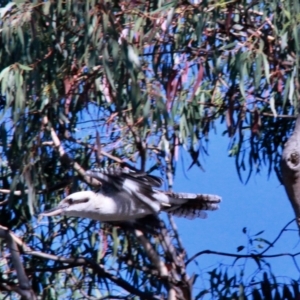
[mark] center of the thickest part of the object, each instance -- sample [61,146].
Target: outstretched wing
[139,186]
[117,176]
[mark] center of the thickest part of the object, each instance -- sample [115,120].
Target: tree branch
[74,262]
[238,256]
[158,263]
[64,155]
[5,201]
[24,288]
[279,235]
[259,255]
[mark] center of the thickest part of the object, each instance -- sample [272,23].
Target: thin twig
[279,235]
[258,255]
[3,202]
[238,256]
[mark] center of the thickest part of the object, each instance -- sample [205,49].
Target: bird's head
[76,204]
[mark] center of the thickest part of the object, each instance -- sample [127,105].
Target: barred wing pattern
[115,177]
[195,205]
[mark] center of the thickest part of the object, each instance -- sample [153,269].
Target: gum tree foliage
[96,83]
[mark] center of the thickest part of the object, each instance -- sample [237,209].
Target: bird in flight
[128,195]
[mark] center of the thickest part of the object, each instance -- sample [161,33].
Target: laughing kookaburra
[127,195]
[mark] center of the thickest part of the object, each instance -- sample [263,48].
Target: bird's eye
[70,201]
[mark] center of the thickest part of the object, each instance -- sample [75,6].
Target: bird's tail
[192,206]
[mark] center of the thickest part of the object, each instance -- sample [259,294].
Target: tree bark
[290,168]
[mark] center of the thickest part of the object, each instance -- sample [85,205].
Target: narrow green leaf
[241,83]
[46,7]
[125,245]
[24,67]
[272,106]
[165,7]
[116,241]
[266,67]
[146,108]
[108,73]
[138,24]
[292,87]
[3,79]
[59,6]
[259,233]
[21,35]
[284,41]
[257,75]
[63,118]
[286,90]
[263,240]
[296,36]
[132,56]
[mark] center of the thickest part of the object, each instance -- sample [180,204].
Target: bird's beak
[52,212]
[80,197]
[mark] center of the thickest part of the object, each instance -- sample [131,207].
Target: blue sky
[260,205]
